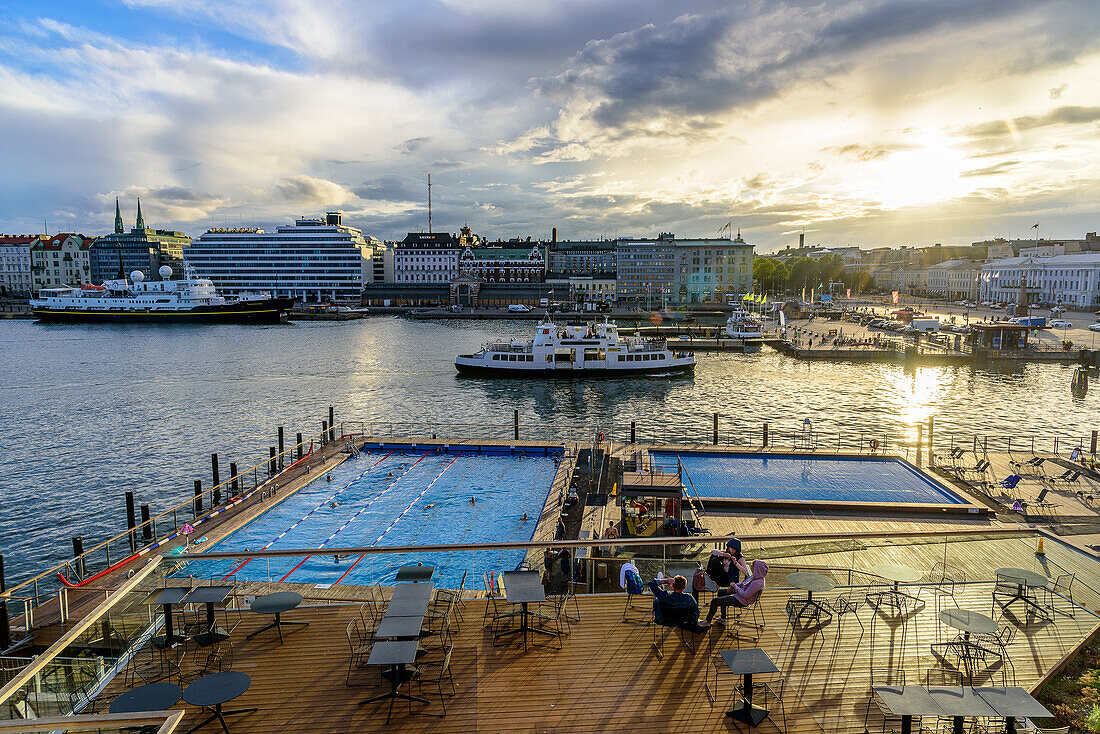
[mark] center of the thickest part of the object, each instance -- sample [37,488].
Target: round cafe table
[967,622]
[893,598]
[808,609]
[211,691]
[150,697]
[277,603]
[1025,581]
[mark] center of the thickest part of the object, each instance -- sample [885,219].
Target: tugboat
[191,299]
[578,349]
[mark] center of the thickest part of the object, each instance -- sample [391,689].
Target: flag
[849,293]
[746,297]
[897,296]
[803,293]
[764,299]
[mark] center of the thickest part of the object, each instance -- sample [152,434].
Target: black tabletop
[208,595]
[210,690]
[748,661]
[960,701]
[413,592]
[151,697]
[399,626]
[415,573]
[1022,575]
[908,700]
[168,595]
[523,586]
[407,608]
[393,653]
[809,581]
[280,601]
[1012,701]
[968,621]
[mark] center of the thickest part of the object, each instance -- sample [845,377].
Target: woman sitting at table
[741,594]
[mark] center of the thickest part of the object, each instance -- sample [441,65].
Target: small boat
[1079,385]
[587,350]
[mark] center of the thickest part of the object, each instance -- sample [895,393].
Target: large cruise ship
[577,349]
[190,299]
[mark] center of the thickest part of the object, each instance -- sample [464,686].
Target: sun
[924,175]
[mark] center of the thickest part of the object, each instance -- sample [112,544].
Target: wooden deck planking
[607,678]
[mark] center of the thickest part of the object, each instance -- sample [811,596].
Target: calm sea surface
[89,412]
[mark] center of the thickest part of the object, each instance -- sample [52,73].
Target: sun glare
[914,177]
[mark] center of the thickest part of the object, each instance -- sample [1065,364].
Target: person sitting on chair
[725,567]
[675,608]
[741,594]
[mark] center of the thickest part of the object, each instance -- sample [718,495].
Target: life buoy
[600,437]
[873,443]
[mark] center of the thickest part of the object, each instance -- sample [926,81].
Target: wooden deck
[607,678]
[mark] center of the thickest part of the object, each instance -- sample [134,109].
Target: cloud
[865,152]
[1061,116]
[308,191]
[1056,92]
[997,168]
[412,145]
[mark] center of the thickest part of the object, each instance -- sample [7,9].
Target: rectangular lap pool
[807,478]
[397,496]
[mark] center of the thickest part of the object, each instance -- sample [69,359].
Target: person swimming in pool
[334,503]
[328,477]
[473,500]
[390,475]
[524,518]
[429,506]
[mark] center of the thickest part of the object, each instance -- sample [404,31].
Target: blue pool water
[806,478]
[382,498]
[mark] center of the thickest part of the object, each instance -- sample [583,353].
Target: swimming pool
[810,478]
[396,496]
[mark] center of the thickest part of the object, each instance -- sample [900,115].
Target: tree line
[773,275]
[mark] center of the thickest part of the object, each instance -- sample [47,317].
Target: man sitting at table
[675,608]
[741,594]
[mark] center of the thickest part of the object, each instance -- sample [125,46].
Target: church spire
[140,223]
[118,218]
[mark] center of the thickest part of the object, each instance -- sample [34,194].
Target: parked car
[1059,324]
[1094,327]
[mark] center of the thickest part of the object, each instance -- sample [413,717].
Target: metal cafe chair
[883,677]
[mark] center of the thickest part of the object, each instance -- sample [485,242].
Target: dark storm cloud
[736,57]
[1072,115]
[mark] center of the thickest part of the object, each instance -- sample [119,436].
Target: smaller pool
[821,478]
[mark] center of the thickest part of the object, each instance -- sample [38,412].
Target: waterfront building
[15,265]
[1069,280]
[953,279]
[591,258]
[587,288]
[311,260]
[668,270]
[60,259]
[142,248]
[426,257]
[503,264]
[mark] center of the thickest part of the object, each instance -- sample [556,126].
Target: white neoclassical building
[1069,280]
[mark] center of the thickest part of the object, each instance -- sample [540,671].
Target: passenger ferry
[744,325]
[577,349]
[191,299]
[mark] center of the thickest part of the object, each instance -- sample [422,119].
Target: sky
[868,123]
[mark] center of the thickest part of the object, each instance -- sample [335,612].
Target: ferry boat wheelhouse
[190,299]
[577,349]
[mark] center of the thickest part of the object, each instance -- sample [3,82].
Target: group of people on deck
[739,585]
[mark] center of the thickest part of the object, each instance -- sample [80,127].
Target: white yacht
[744,325]
[577,349]
[191,299]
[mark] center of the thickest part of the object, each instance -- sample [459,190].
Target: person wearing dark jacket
[675,608]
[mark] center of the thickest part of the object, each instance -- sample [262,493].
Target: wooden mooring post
[920,438]
[299,444]
[5,623]
[632,434]
[146,526]
[271,461]
[235,479]
[931,426]
[714,438]
[324,433]
[765,444]
[198,497]
[515,424]
[1093,444]
[331,424]
[78,556]
[131,521]
[281,447]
